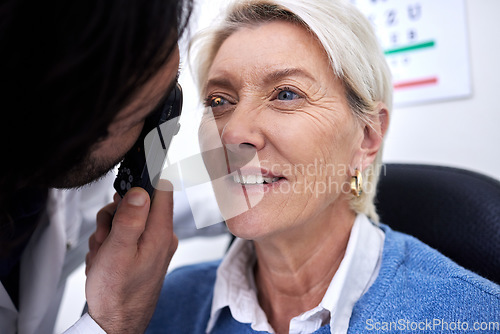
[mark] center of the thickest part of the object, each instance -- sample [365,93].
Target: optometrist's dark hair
[66,69]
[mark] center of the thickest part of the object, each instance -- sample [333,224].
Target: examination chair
[453,210]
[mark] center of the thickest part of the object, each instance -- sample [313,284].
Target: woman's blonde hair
[350,43]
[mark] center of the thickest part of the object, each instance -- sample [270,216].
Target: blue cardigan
[417,290]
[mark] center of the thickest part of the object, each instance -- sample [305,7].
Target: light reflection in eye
[217,101]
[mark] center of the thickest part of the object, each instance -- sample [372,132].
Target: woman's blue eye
[287,95]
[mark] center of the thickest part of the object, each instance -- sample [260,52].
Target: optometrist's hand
[128,258]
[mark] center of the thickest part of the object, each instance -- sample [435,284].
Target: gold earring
[357,184]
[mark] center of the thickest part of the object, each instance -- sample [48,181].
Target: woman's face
[272,92]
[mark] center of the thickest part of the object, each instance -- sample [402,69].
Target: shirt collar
[235,285]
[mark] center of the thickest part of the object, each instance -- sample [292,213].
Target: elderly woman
[300,96]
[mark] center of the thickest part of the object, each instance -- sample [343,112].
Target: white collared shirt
[235,285]
[56,248]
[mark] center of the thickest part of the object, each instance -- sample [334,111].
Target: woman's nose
[242,131]
[242,137]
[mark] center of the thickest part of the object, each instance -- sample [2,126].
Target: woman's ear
[373,136]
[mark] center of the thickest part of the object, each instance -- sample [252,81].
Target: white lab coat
[57,247]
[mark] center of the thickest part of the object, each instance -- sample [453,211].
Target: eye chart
[425,44]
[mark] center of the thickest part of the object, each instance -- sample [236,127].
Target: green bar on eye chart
[413,47]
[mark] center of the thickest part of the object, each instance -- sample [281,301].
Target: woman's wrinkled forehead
[240,15]
[273,62]
[257,61]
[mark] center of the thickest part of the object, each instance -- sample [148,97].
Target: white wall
[463,133]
